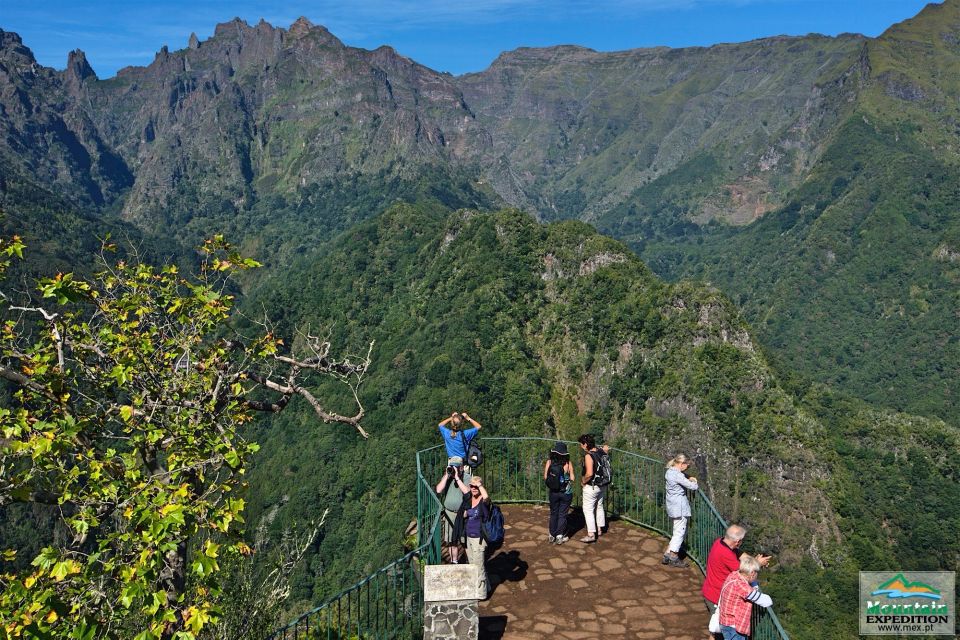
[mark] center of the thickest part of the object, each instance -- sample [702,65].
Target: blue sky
[454,36]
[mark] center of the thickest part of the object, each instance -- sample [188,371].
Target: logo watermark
[907,603]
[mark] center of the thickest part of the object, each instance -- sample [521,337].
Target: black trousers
[559,507]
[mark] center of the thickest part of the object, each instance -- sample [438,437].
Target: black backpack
[602,472]
[555,481]
[474,453]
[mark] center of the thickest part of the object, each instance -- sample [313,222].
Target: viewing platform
[614,588]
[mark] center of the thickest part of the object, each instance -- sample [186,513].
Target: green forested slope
[281,137]
[552,331]
[854,282]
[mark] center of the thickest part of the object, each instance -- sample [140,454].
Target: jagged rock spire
[78,67]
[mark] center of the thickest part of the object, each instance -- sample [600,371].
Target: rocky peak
[303,27]
[525,55]
[194,42]
[12,48]
[78,68]
[232,28]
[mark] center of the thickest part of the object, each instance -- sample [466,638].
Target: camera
[451,470]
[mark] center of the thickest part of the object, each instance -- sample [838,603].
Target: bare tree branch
[22,380]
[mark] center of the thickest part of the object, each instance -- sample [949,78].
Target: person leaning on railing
[737,597]
[722,560]
[678,506]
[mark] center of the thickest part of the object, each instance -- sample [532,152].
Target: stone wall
[451,620]
[450,603]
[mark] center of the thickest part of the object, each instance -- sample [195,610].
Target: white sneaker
[561,539]
[551,539]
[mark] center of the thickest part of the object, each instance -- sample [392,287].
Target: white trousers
[679,531]
[476,550]
[593,511]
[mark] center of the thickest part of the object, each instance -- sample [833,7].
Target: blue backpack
[493,529]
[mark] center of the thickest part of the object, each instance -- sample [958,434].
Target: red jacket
[721,562]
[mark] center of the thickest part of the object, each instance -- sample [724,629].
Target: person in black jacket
[559,476]
[476,509]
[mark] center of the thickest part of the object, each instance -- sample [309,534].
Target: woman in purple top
[477,509]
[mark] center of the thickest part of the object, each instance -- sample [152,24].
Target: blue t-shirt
[454,442]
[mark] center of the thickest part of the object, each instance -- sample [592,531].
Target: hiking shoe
[678,562]
[552,539]
[666,559]
[588,539]
[560,539]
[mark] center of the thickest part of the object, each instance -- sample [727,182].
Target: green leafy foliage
[118,424]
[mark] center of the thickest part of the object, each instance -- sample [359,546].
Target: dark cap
[560,448]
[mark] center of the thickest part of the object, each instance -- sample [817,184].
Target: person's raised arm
[688,483]
[445,421]
[442,485]
[476,425]
[456,476]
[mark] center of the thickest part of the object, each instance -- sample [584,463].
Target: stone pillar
[450,602]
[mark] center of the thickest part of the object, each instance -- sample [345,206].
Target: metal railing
[388,605]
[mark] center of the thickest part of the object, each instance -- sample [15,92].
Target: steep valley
[777,292]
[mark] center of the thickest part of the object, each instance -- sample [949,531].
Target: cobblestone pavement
[615,588]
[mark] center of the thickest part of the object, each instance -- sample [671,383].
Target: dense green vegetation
[281,227]
[850,283]
[555,330]
[552,331]
[861,291]
[135,456]
[895,482]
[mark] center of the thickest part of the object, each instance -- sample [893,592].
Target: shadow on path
[505,566]
[615,588]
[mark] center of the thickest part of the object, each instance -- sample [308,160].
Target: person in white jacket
[678,506]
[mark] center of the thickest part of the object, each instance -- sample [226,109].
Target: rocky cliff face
[577,133]
[259,109]
[562,131]
[47,134]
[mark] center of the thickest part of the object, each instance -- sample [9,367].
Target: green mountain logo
[900,587]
